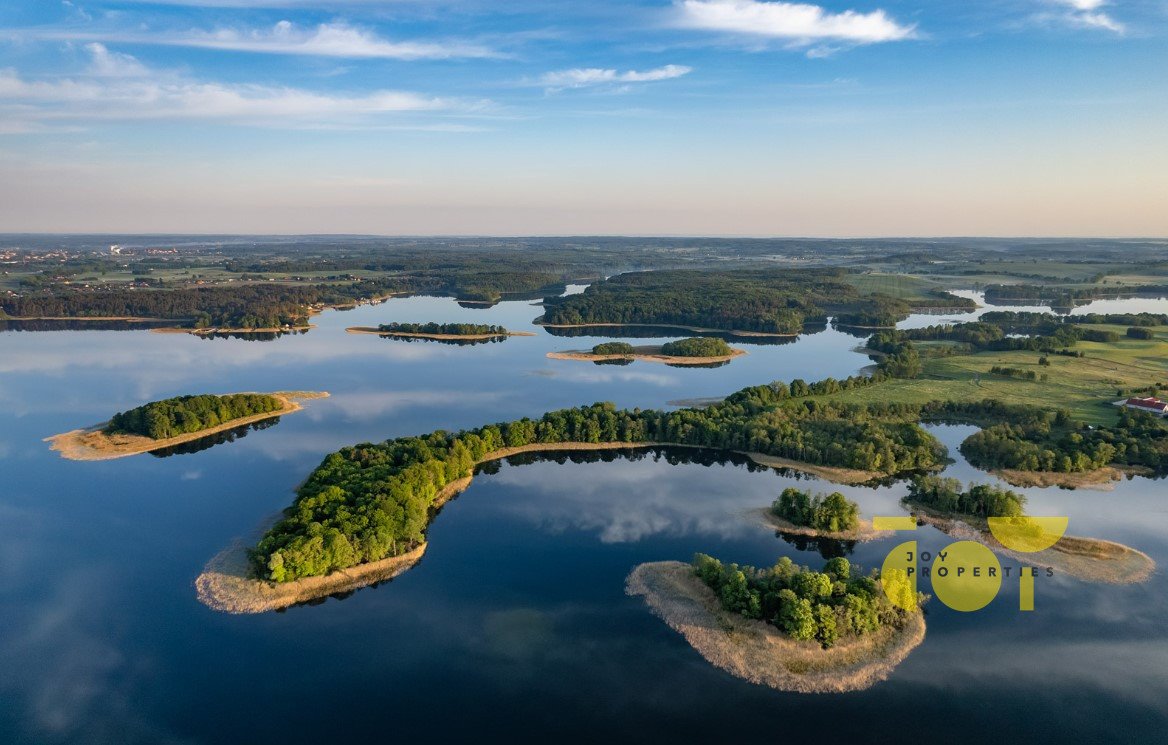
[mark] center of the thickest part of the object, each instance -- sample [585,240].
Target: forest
[183,415]
[828,512]
[1060,445]
[697,347]
[445,329]
[778,301]
[825,606]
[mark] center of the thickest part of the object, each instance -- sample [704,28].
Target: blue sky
[715,117]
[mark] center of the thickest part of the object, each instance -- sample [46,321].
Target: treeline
[697,347]
[367,502]
[758,397]
[187,414]
[446,329]
[245,306]
[825,606]
[982,500]
[1043,335]
[1067,295]
[829,512]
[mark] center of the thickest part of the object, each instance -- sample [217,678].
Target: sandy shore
[226,584]
[93,444]
[1101,479]
[648,354]
[862,533]
[1087,559]
[439,337]
[698,329]
[760,653]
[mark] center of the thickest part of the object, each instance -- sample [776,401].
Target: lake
[515,625]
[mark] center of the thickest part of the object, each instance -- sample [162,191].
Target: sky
[646,117]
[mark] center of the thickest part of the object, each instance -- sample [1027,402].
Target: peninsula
[785,627]
[173,421]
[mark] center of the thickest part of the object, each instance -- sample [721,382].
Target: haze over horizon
[645,118]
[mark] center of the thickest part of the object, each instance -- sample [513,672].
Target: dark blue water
[515,626]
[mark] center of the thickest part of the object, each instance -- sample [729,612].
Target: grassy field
[897,285]
[1086,386]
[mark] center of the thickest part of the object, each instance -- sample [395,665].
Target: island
[693,351]
[173,421]
[787,627]
[440,331]
[833,516]
[995,517]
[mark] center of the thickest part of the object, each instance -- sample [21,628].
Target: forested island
[440,331]
[996,517]
[834,516]
[696,351]
[164,424]
[787,627]
[766,301]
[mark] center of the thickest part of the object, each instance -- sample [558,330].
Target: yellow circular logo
[966,575]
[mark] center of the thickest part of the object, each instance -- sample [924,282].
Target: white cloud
[119,87]
[797,22]
[581,77]
[114,64]
[324,40]
[1084,14]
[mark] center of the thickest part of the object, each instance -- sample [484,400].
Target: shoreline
[863,533]
[91,444]
[1100,479]
[437,337]
[1087,559]
[758,652]
[643,354]
[240,593]
[699,329]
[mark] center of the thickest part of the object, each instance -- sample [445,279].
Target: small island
[440,331]
[833,516]
[693,351]
[786,627]
[173,421]
[979,512]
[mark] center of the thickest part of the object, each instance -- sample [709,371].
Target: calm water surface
[515,626]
